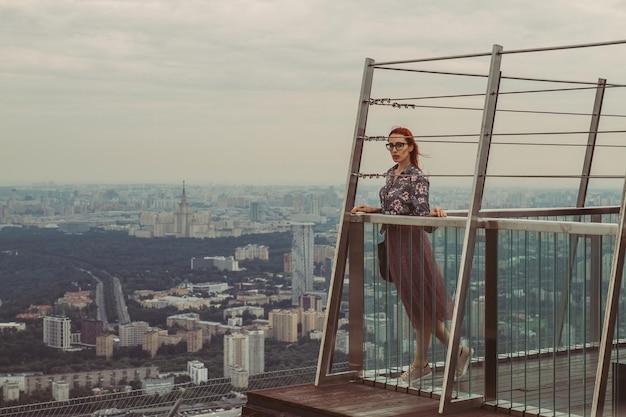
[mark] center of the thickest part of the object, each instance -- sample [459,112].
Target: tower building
[56,332]
[104,345]
[284,324]
[131,334]
[90,330]
[198,373]
[244,351]
[194,340]
[256,355]
[183,216]
[302,255]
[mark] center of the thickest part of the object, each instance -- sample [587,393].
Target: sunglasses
[398,146]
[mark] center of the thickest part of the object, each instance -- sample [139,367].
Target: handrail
[568,227]
[536,212]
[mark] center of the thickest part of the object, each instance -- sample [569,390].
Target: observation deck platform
[348,399]
[532,392]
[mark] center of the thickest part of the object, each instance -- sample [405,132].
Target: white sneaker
[413,375]
[463,363]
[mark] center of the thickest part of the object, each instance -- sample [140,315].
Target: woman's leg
[422,336]
[441,332]
[419,367]
[465,353]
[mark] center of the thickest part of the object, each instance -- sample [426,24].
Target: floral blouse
[408,195]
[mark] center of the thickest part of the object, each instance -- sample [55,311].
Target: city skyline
[241,92]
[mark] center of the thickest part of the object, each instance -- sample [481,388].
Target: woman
[413,270]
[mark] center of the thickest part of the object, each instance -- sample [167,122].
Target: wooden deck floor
[349,399]
[526,387]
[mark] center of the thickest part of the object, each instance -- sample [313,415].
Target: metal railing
[534,312]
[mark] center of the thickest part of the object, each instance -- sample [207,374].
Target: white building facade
[56,332]
[198,373]
[244,352]
[131,334]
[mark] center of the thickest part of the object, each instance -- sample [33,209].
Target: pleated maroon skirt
[416,275]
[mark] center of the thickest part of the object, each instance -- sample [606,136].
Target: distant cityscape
[169,211]
[221,211]
[207,212]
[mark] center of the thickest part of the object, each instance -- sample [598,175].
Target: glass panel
[552,291]
[410,313]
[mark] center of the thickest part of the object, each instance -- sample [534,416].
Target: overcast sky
[237,91]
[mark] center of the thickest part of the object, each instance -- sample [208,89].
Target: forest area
[37,266]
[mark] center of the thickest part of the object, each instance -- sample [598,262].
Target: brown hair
[408,135]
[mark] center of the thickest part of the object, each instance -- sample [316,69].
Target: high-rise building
[150,342]
[312,321]
[104,345]
[376,325]
[287,262]
[131,334]
[10,391]
[477,324]
[256,352]
[194,340]
[239,378]
[327,272]
[254,211]
[244,351]
[311,302]
[56,332]
[302,256]
[60,390]
[183,217]
[284,325]
[198,373]
[89,331]
[321,252]
[235,353]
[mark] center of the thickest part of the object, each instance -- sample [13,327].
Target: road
[120,303]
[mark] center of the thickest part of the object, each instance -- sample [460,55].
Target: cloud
[161,89]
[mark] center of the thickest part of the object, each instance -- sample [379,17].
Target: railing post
[580,202]
[324,362]
[491,313]
[356,296]
[469,240]
[619,389]
[610,313]
[595,292]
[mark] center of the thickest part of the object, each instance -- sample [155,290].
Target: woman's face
[399,156]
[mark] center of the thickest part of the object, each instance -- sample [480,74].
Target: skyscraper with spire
[183,216]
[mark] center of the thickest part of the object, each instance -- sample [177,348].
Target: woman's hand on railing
[438,212]
[365,209]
